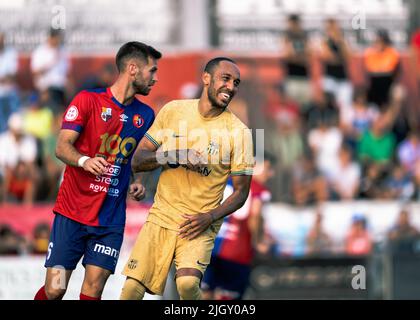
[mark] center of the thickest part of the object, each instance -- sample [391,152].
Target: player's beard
[212,94]
[140,86]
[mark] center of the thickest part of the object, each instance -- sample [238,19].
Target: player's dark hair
[213,63]
[135,49]
[294,18]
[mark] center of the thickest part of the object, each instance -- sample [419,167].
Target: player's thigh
[151,257]
[95,277]
[103,247]
[195,253]
[67,244]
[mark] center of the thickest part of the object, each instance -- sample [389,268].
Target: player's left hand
[194,225]
[137,191]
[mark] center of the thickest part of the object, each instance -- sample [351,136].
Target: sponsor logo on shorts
[132,264]
[100,248]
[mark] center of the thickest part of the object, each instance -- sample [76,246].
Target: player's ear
[132,69]
[206,77]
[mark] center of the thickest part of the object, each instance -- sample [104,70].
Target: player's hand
[96,166]
[137,191]
[191,159]
[194,225]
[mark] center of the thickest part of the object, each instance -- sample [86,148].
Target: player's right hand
[191,159]
[96,166]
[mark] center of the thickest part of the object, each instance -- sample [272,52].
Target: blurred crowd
[338,143]
[341,142]
[30,120]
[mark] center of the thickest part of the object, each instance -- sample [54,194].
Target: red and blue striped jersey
[110,130]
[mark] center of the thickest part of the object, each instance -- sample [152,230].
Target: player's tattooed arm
[66,152]
[196,224]
[148,157]
[145,157]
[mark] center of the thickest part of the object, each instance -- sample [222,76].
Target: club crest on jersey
[213,148]
[106,114]
[138,121]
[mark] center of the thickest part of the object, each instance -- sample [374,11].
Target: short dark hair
[294,18]
[383,34]
[135,49]
[209,68]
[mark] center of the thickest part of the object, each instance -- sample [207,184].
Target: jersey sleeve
[77,112]
[157,131]
[242,152]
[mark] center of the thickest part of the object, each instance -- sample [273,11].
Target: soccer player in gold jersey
[199,143]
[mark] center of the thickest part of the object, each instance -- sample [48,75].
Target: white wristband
[82,161]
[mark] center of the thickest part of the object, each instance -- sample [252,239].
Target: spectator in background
[382,65]
[318,241]
[17,163]
[335,54]
[377,144]
[398,185]
[38,117]
[373,181]
[50,68]
[402,233]
[10,242]
[284,140]
[9,99]
[357,119]
[325,142]
[297,56]
[409,152]
[358,239]
[308,185]
[322,108]
[345,178]
[41,238]
[53,167]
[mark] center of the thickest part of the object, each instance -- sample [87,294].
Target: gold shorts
[155,249]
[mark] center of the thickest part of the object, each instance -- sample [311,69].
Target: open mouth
[225,96]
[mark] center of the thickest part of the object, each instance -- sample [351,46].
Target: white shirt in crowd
[8,67]
[326,145]
[25,150]
[55,61]
[345,178]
